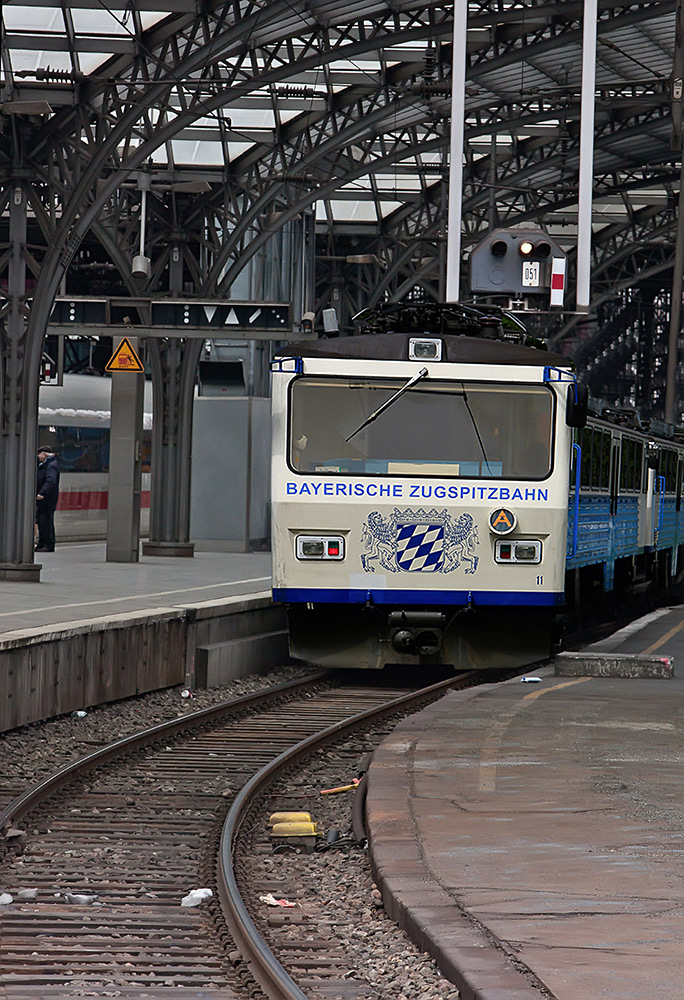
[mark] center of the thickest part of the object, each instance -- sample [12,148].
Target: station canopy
[251,114]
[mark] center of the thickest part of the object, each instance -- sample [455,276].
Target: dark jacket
[48,482]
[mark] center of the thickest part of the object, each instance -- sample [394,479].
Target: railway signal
[519,262]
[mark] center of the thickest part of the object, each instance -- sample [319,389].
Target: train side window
[604,482]
[634,467]
[585,442]
[638,465]
[678,503]
[596,451]
[630,469]
[626,462]
[667,467]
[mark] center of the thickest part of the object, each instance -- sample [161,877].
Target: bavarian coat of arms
[419,541]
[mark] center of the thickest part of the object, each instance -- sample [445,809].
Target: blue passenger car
[624,515]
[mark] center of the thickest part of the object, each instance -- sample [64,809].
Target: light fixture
[320,547]
[330,323]
[142,265]
[425,349]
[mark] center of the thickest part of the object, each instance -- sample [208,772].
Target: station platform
[531,835]
[92,632]
[77,584]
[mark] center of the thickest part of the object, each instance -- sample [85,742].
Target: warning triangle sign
[124,359]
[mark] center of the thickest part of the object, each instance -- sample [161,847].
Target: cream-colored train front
[419,499]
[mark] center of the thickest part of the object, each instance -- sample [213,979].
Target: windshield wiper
[477,432]
[400,392]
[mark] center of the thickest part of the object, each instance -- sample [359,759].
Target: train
[73,420]
[441,491]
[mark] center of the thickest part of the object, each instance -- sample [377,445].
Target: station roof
[342,108]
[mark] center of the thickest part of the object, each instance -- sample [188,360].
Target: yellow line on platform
[492,744]
[533,695]
[668,635]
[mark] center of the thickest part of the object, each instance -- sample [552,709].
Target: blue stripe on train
[301,595]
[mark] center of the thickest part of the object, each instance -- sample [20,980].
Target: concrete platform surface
[76,584]
[531,836]
[660,633]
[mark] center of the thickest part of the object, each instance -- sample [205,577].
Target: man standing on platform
[46,500]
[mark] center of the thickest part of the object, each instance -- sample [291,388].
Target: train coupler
[418,633]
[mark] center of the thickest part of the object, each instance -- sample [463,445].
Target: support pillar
[18,410]
[455,209]
[174,368]
[125,464]
[586,166]
[671,401]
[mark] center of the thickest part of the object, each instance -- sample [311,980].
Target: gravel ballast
[334,885]
[338,880]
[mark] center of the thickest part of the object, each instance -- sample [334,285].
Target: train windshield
[443,429]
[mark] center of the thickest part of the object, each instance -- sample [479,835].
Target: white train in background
[73,419]
[420,496]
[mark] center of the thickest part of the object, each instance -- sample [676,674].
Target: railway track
[112,844]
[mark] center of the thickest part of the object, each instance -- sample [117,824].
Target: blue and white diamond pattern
[420,547]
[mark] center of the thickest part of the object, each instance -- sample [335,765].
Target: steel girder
[327,136]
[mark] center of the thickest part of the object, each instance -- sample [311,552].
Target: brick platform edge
[469,956]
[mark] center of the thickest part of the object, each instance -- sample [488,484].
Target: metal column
[586,166]
[671,402]
[458,73]
[18,412]
[174,369]
[125,464]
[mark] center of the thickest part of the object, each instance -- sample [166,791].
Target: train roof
[394,347]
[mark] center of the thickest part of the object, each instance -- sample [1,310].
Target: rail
[258,958]
[19,806]
[264,966]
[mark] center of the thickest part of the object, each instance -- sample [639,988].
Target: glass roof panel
[101,22]
[32,18]
[150,17]
[248,118]
[89,61]
[353,211]
[33,59]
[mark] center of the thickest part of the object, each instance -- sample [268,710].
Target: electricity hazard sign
[124,359]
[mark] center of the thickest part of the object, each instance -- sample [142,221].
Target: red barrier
[70,500]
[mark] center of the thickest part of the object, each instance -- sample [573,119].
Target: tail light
[520,550]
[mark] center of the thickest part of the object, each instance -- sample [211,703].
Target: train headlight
[319,547]
[425,349]
[523,550]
